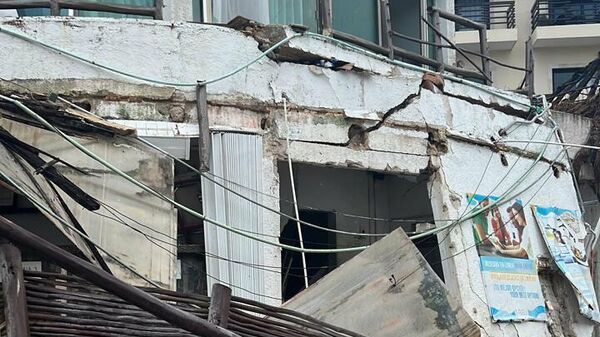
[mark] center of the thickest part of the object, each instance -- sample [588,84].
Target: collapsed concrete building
[376,145]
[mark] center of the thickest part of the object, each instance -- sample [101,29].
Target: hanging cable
[546,173]
[583,146]
[165,198]
[45,209]
[499,201]
[142,78]
[449,231]
[207,175]
[199,215]
[256,59]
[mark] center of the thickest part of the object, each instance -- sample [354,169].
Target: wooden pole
[204,143]
[13,291]
[220,300]
[111,284]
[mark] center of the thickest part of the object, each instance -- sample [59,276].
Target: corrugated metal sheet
[237,158]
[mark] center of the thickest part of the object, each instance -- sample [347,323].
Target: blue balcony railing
[493,14]
[563,12]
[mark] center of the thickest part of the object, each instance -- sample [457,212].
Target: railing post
[439,55]
[158,8]
[54,8]
[385,7]
[326,10]
[485,51]
[13,290]
[220,300]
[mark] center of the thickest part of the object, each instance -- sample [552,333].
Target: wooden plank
[13,291]
[388,290]
[111,284]
[218,311]
[529,64]
[204,138]
[40,189]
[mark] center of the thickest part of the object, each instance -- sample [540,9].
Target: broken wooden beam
[17,235]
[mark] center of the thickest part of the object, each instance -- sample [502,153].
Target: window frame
[575,68]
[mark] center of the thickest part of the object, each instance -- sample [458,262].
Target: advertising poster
[564,234]
[510,278]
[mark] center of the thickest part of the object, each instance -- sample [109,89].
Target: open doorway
[191,255]
[351,200]
[318,264]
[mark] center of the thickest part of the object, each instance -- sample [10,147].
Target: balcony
[84,8]
[564,23]
[497,16]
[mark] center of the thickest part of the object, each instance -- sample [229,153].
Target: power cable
[489,235]
[71,227]
[492,204]
[256,59]
[165,198]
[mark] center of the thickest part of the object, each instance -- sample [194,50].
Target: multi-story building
[563,36]
[360,143]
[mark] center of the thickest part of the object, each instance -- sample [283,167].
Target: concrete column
[272,254]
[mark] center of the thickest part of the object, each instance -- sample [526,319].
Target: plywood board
[387,290]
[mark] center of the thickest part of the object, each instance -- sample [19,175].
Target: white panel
[237,158]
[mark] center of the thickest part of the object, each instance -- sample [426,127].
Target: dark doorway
[318,265]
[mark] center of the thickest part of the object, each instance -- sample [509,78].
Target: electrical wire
[241,195]
[148,237]
[492,204]
[447,234]
[547,172]
[165,198]
[141,78]
[583,146]
[71,227]
[207,174]
[199,215]
[256,59]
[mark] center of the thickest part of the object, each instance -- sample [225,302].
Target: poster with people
[564,234]
[508,267]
